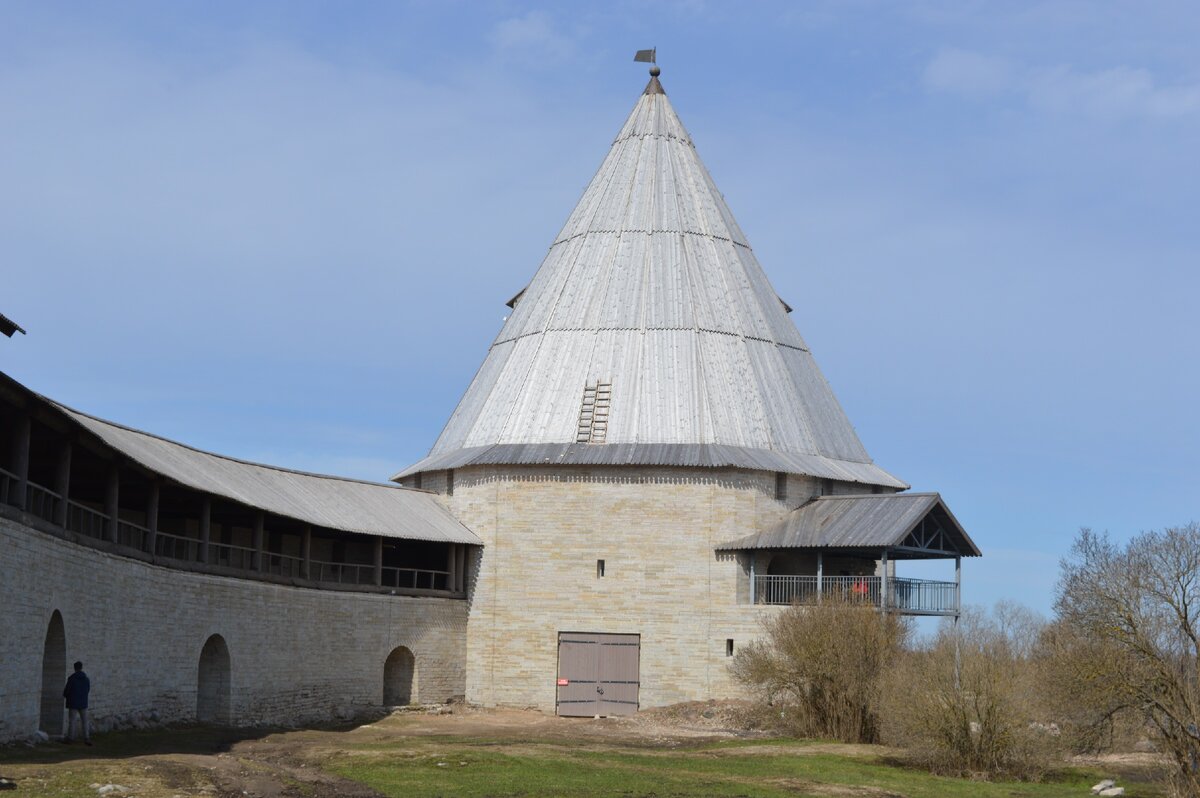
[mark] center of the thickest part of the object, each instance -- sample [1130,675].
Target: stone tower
[647,401]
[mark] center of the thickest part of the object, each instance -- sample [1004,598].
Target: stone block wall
[656,530]
[296,654]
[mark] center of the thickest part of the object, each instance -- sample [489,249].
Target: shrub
[819,668]
[981,722]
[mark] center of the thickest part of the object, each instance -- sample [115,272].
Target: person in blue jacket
[76,693]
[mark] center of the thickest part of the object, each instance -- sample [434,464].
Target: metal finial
[655,71]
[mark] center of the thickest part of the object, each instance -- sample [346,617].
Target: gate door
[597,674]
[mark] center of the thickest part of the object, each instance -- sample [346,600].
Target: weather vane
[649,57]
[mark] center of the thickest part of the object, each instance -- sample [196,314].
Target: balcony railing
[176,547]
[85,521]
[132,535]
[416,579]
[230,556]
[90,523]
[907,596]
[8,481]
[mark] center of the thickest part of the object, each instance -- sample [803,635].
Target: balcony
[89,526]
[897,594]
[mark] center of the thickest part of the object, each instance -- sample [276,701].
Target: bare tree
[1128,636]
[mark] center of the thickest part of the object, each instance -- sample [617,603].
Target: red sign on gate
[563,682]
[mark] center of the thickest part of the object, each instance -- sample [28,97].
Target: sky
[285,231]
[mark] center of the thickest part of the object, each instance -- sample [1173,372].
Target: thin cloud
[532,37]
[969,74]
[1118,92]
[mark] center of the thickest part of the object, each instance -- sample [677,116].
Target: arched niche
[54,675]
[214,683]
[399,678]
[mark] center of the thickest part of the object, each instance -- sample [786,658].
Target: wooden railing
[176,547]
[90,523]
[342,573]
[41,502]
[133,536]
[416,579]
[283,565]
[230,556]
[8,483]
[85,521]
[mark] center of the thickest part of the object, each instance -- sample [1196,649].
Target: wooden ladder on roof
[593,413]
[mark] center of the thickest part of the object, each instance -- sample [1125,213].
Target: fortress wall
[655,528]
[295,654]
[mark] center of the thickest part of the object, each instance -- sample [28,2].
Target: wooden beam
[753,558]
[257,557]
[820,575]
[306,553]
[112,497]
[883,582]
[378,560]
[20,460]
[152,517]
[62,483]
[205,527]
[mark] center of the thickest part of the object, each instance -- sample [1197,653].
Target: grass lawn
[464,767]
[503,753]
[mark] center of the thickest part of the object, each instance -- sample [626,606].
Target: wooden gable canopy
[907,525]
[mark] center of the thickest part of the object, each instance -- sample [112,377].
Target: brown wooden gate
[597,674]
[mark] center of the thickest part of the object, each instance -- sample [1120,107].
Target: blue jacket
[76,691]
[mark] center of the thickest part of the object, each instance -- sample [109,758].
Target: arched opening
[399,678]
[213,682]
[54,675]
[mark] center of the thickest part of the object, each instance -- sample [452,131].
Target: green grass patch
[428,768]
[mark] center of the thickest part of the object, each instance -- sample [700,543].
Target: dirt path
[205,763]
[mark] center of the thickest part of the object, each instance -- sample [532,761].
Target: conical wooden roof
[650,297]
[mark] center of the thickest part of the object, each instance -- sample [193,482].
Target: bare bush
[1128,639]
[979,717]
[819,668]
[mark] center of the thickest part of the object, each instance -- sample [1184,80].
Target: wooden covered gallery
[111,487]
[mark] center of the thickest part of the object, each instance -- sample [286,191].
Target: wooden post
[257,558]
[152,517]
[462,568]
[452,566]
[753,557]
[957,613]
[883,583]
[62,484]
[20,461]
[112,501]
[378,560]
[820,575]
[957,585]
[306,553]
[205,527]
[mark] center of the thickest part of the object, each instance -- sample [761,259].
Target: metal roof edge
[689,455]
